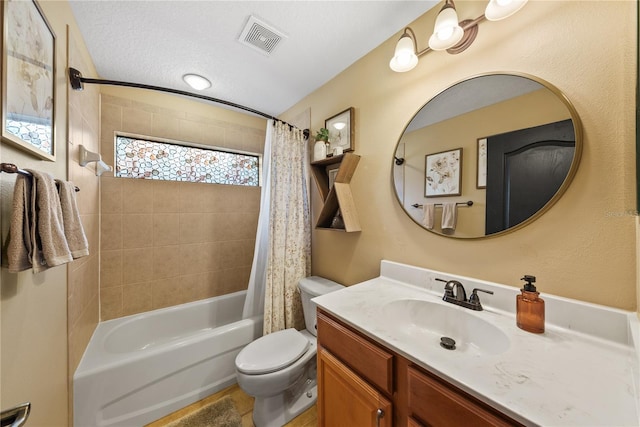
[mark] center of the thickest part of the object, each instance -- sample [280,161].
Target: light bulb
[447,32]
[404,58]
[501,9]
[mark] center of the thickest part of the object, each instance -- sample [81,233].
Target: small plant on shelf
[322,135]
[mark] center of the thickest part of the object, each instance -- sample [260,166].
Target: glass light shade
[405,58]
[197,82]
[501,9]
[446,33]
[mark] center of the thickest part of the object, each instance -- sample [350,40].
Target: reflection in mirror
[520,142]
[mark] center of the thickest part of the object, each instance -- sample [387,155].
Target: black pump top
[529,287]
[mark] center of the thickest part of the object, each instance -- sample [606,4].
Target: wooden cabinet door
[345,399]
[439,404]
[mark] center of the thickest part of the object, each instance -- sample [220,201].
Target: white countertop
[577,373]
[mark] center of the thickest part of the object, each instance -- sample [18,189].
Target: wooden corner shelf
[338,197]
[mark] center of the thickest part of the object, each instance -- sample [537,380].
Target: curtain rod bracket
[75,79]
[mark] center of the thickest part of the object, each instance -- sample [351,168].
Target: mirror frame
[577,129]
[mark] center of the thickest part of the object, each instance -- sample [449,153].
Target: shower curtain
[282,254]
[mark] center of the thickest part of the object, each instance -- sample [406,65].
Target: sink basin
[427,322]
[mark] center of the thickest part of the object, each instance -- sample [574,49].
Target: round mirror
[487,156]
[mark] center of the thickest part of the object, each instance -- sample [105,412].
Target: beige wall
[36,352]
[83,275]
[463,132]
[166,243]
[584,247]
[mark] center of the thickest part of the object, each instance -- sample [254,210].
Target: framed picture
[481,177]
[332,176]
[341,130]
[28,78]
[443,173]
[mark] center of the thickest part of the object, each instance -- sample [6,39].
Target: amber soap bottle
[530,307]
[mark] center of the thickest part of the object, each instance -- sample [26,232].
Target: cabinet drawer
[366,358]
[437,403]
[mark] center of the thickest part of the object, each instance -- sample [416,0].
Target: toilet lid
[272,352]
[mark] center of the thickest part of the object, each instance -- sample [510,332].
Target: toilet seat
[272,352]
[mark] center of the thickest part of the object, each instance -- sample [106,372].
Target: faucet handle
[448,288]
[474,299]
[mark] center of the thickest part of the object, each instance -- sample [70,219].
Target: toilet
[279,369]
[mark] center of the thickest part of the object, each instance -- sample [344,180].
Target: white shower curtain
[282,253]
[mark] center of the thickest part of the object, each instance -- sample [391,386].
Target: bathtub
[139,368]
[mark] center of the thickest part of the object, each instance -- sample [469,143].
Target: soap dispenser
[530,307]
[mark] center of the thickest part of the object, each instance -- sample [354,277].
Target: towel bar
[11,168]
[469,203]
[16,416]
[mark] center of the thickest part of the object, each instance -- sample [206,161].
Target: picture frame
[28,78]
[341,129]
[332,173]
[481,174]
[443,173]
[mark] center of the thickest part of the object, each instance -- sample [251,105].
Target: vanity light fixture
[449,34]
[196,81]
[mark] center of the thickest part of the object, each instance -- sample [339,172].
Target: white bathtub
[139,368]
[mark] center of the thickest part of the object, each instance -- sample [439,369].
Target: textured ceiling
[156,42]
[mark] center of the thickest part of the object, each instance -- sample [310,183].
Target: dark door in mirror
[525,168]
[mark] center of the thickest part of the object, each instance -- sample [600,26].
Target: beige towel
[449,216]
[429,210]
[19,247]
[51,248]
[73,230]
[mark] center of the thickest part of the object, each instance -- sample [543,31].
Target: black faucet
[454,293]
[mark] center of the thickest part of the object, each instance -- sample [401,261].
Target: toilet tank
[311,287]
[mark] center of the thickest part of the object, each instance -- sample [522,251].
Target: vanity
[381,362]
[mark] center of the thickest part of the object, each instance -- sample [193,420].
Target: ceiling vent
[260,36]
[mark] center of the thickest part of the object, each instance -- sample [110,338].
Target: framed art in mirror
[443,173]
[28,79]
[481,168]
[341,130]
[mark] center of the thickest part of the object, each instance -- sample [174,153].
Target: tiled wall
[83,274]
[166,243]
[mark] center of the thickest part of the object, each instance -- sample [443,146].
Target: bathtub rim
[95,359]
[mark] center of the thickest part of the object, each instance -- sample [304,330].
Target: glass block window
[36,134]
[142,158]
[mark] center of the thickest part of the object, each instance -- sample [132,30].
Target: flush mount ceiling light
[449,34]
[197,82]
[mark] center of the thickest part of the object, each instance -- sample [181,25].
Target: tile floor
[244,405]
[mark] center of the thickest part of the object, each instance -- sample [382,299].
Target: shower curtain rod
[76,80]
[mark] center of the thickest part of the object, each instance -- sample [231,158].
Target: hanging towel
[19,247]
[51,248]
[429,210]
[73,230]
[449,216]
